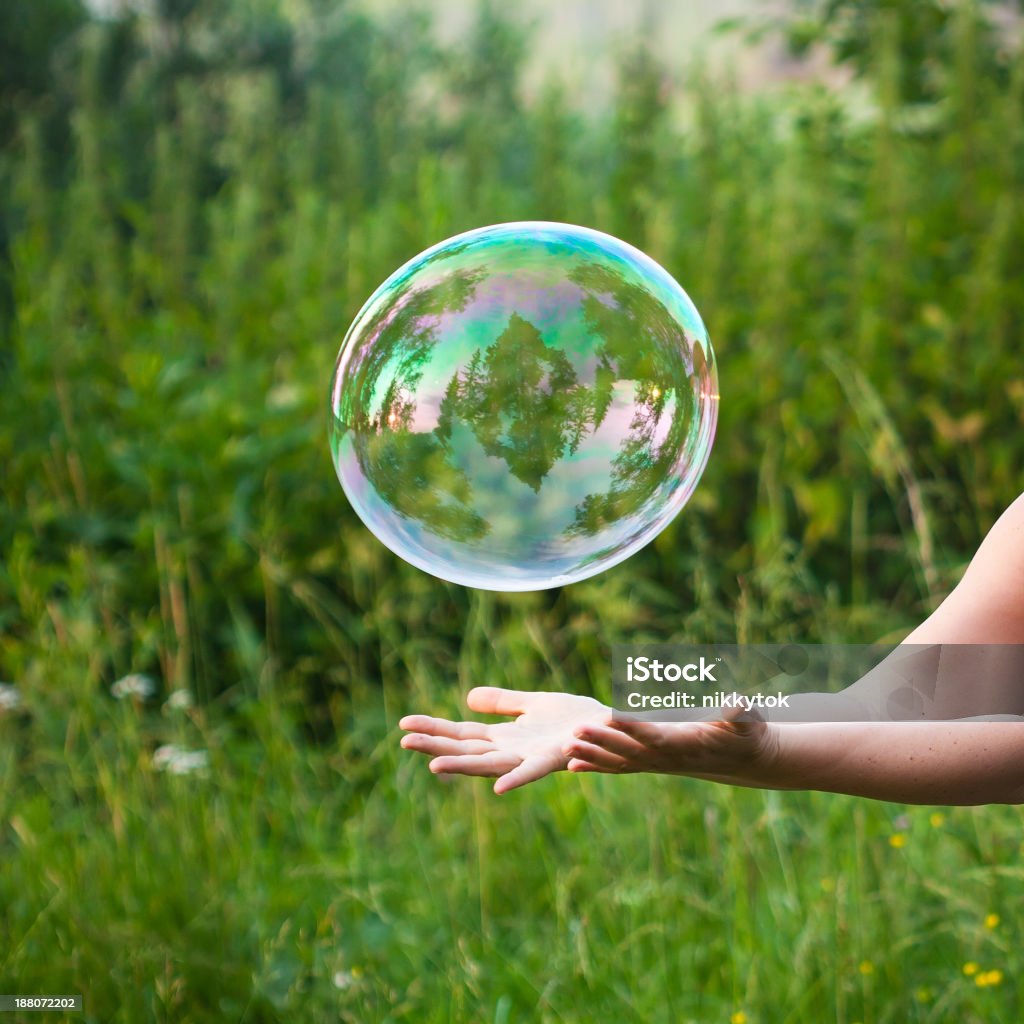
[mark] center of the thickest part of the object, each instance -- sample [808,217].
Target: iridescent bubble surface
[523,405]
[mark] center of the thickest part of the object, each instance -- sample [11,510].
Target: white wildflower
[178,761]
[284,396]
[342,979]
[135,685]
[10,698]
[179,700]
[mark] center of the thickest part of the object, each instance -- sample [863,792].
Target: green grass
[277,888]
[182,265]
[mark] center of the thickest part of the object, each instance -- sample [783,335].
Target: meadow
[204,811]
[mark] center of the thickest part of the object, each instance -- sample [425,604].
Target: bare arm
[930,762]
[987,606]
[948,762]
[910,762]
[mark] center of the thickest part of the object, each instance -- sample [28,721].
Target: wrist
[769,764]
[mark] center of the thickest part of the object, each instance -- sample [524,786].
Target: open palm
[556,731]
[517,752]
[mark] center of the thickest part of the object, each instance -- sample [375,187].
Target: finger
[650,734]
[497,762]
[576,765]
[595,755]
[443,727]
[611,739]
[530,770]
[440,745]
[494,700]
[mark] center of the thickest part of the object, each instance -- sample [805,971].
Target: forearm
[933,762]
[908,762]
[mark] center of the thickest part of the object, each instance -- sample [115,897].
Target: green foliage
[194,212]
[31,34]
[928,39]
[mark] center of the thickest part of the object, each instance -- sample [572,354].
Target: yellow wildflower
[739,1017]
[970,968]
[992,921]
[987,978]
[897,840]
[866,967]
[937,819]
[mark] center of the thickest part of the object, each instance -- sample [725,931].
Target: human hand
[739,748]
[517,752]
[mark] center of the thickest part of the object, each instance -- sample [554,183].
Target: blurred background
[204,814]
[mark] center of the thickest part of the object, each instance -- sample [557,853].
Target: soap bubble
[523,405]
